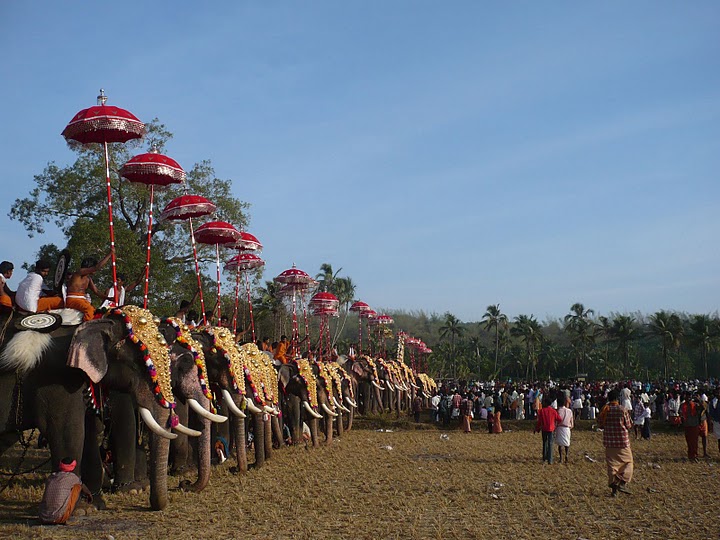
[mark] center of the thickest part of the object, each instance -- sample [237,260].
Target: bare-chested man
[79,282]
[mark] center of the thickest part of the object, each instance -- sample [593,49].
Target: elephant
[226,372]
[326,398]
[297,384]
[61,372]
[108,350]
[365,376]
[39,391]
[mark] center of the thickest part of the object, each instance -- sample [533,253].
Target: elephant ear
[284,375]
[88,349]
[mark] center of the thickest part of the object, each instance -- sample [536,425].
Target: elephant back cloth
[143,332]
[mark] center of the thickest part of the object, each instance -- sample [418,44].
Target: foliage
[73,199]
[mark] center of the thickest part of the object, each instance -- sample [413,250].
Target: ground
[411,483]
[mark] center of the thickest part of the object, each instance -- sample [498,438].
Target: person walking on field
[616,423]
[466,410]
[547,420]
[417,406]
[690,414]
[562,431]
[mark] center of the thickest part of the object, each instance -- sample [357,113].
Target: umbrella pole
[359,334]
[307,326]
[149,239]
[113,256]
[197,272]
[295,332]
[252,320]
[217,261]
[237,299]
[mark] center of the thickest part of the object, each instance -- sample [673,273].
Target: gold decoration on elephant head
[225,343]
[306,373]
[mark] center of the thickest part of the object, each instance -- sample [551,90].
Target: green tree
[73,199]
[580,328]
[668,327]
[624,331]
[452,330]
[495,319]
[529,331]
[704,335]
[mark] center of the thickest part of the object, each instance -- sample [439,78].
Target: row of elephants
[83,385]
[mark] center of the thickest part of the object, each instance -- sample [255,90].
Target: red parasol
[296,282]
[244,262]
[360,308]
[187,207]
[152,169]
[103,124]
[324,305]
[324,300]
[217,232]
[248,242]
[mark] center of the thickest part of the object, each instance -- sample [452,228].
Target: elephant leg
[350,417]
[92,468]
[259,439]
[180,447]
[202,452]
[123,439]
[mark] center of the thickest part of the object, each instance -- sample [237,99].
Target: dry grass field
[412,483]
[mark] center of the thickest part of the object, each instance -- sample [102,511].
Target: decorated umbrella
[380,322]
[217,232]
[243,262]
[187,207]
[152,169]
[297,282]
[103,124]
[359,307]
[247,242]
[324,305]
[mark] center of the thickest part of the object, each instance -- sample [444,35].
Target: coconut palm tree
[326,277]
[529,331]
[705,334]
[580,328]
[624,331]
[451,329]
[668,327]
[494,319]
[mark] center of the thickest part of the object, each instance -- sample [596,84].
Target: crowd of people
[618,409]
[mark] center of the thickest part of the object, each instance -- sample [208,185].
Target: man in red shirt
[616,423]
[547,419]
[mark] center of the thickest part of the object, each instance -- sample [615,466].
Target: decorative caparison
[143,333]
[185,339]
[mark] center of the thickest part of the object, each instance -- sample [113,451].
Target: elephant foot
[135,487]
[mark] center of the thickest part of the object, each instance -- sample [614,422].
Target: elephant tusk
[231,404]
[153,426]
[187,431]
[309,409]
[340,406]
[351,402]
[202,411]
[425,395]
[269,410]
[251,406]
[390,386]
[376,385]
[415,386]
[327,410]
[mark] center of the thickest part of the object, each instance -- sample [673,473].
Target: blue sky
[446,155]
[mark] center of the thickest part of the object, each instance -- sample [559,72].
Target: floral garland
[184,338]
[223,342]
[143,332]
[341,375]
[326,375]
[306,374]
[269,381]
[401,348]
[372,365]
[254,372]
[428,382]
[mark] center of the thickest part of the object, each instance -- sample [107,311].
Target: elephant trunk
[259,441]
[267,439]
[240,441]
[159,451]
[314,432]
[277,430]
[203,453]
